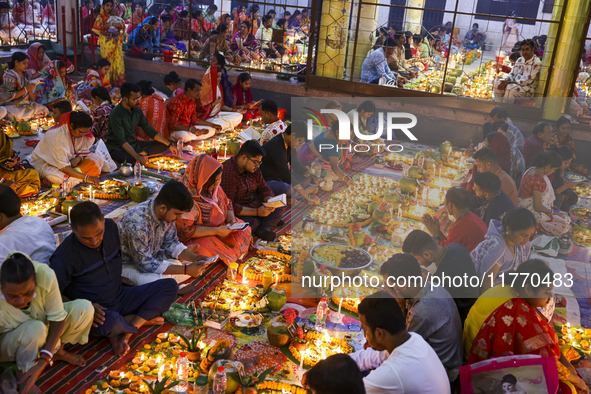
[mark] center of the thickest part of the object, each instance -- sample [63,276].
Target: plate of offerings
[232,296]
[267,260]
[110,189]
[320,346]
[163,163]
[340,258]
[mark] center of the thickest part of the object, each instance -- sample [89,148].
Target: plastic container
[55,190]
[267,279]
[137,172]
[232,271]
[321,315]
[219,381]
[182,372]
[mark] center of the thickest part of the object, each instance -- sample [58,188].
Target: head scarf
[499,144]
[33,52]
[198,172]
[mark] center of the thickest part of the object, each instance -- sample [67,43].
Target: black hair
[458,197]
[532,272]
[286,13]
[382,30]
[140,4]
[251,149]
[514,56]
[397,35]
[564,152]
[102,63]
[108,1]
[296,13]
[475,24]
[211,179]
[11,202]
[271,12]
[417,242]
[336,375]
[18,268]
[486,155]
[381,310]
[17,57]
[244,77]
[401,264]
[4,6]
[191,83]
[540,127]
[184,14]
[221,60]
[213,7]
[85,213]
[100,92]
[281,22]
[304,11]
[154,10]
[127,88]
[519,219]
[488,182]
[247,23]
[367,106]
[509,379]
[153,20]
[562,120]
[166,18]
[175,195]
[63,106]
[530,42]
[146,87]
[79,119]
[168,8]
[197,14]
[269,106]
[222,27]
[266,18]
[171,77]
[417,38]
[297,129]
[549,158]
[390,43]
[500,124]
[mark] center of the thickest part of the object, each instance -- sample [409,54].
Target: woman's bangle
[85,177]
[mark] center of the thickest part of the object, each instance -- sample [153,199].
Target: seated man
[523,78]
[430,311]
[375,65]
[264,36]
[150,247]
[28,234]
[88,266]
[474,38]
[490,202]
[396,355]
[277,160]
[64,151]
[465,228]
[184,123]
[513,134]
[25,181]
[244,185]
[35,321]
[60,108]
[337,374]
[124,119]
[534,144]
[268,112]
[451,261]
[486,160]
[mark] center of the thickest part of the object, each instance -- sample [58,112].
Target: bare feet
[157,321]
[70,358]
[119,343]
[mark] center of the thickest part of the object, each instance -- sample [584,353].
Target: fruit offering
[107,190]
[342,256]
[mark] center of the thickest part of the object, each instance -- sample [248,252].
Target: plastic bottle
[137,171]
[321,314]
[65,186]
[179,147]
[182,372]
[219,381]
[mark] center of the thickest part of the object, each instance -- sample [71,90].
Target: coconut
[407,185]
[415,172]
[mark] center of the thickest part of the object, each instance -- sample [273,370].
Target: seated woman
[17,94]
[218,43]
[154,108]
[181,30]
[243,99]
[205,227]
[283,47]
[24,182]
[38,60]
[528,331]
[145,36]
[24,16]
[137,17]
[36,323]
[245,45]
[64,151]
[48,15]
[505,246]
[253,17]
[439,51]
[166,37]
[55,85]
[562,137]
[294,20]
[104,106]
[174,83]
[537,195]
[239,17]
[8,30]
[565,195]
[97,75]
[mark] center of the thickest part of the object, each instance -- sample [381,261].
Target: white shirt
[30,235]
[264,35]
[412,368]
[58,147]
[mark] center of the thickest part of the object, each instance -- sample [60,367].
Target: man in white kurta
[523,78]
[65,148]
[23,332]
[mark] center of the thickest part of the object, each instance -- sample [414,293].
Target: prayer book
[276,202]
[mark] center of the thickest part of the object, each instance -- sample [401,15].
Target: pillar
[68,4]
[332,38]
[563,75]
[368,23]
[414,18]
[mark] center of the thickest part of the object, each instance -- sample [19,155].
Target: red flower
[299,333]
[357,227]
[290,315]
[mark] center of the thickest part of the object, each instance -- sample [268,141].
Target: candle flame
[142,357]
[161,369]
[326,336]
[201,345]
[323,354]
[568,325]
[121,375]
[158,359]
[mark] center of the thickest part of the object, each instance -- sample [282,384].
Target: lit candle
[244,280]
[69,211]
[302,355]
[340,303]
[276,279]
[160,372]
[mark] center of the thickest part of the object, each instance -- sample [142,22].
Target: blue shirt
[493,209]
[375,66]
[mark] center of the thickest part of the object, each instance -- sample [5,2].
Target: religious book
[250,134]
[238,226]
[276,202]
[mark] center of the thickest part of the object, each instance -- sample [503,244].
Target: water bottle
[219,381]
[65,186]
[182,372]
[137,171]
[179,147]
[321,314]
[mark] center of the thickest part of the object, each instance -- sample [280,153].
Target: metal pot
[126,170]
[309,225]
[564,243]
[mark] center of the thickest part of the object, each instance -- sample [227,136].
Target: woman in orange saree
[111,44]
[205,227]
[154,108]
[516,328]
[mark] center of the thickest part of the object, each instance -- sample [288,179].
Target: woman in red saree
[562,137]
[154,108]
[243,97]
[205,227]
[37,57]
[517,328]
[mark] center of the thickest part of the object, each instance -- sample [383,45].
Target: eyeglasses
[257,163]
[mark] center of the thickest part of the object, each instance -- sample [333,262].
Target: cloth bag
[100,149]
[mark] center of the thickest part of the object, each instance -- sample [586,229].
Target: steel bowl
[342,271]
[126,170]
[585,223]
